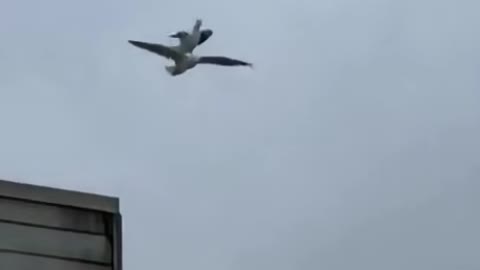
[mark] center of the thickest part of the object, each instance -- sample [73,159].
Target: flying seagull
[184,37]
[190,40]
[185,61]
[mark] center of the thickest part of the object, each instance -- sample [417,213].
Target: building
[44,228]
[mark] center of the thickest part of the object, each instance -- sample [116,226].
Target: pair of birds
[182,54]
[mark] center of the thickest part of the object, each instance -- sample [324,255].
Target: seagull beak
[174,35]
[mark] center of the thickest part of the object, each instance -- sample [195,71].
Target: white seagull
[186,61]
[190,40]
[184,38]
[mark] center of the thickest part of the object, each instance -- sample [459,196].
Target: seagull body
[185,61]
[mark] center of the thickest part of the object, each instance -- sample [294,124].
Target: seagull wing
[204,35]
[159,49]
[222,61]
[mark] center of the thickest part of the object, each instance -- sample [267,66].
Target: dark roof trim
[59,196]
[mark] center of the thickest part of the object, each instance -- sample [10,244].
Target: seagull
[184,37]
[186,61]
[188,41]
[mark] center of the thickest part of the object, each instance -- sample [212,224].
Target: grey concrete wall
[44,228]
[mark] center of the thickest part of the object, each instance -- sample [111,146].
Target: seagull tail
[172,70]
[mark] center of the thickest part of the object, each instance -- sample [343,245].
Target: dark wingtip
[205,34]
[135,43]
[247,64]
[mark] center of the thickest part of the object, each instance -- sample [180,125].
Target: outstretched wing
[204,35]
[222,61]
[159,49]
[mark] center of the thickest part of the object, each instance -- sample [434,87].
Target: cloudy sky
[353,144]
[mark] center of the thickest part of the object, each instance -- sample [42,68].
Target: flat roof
[58,196]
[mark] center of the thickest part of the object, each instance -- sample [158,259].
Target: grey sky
[353,144]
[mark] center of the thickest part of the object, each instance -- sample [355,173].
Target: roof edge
[57,196]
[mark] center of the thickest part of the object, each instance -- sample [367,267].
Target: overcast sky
[353,144]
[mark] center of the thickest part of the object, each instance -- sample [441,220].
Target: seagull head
[179,34]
